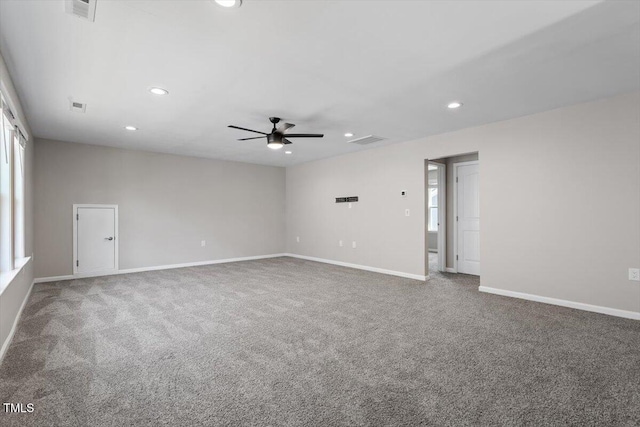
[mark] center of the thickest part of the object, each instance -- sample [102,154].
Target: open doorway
[436,220]
[452,223]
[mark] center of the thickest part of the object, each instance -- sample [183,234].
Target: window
[6,190]
[12,192]
[433,208]
[18,195]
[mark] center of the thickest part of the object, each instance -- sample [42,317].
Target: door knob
[109,238]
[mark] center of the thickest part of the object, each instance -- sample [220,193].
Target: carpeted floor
[433,263]
[292,342]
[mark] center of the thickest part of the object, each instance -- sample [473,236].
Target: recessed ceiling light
[454,105]
[229,3]
[348,134]
[131,128]
[287,152]
[158,91]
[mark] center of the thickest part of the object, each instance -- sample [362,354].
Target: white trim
[563,303]
[154,268]
[7,277]
[55,278]
[455,209]
[199,263]
[442,216]
[451,270]
[362,267]
[5,344]
[75,240]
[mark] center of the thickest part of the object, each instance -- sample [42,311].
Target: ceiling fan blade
[250,130]
[285,141]
[284,127]
[305,135]
[255,137]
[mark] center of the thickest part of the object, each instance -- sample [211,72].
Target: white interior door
[468,218]
[95,238]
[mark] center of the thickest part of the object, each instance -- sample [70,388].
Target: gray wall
[167,205]
[543,192]
[13,295]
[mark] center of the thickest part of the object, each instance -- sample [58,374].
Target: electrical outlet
[340,243]
[203,243]
[634,274]
[403,194]
[298,239]
[407,212]
[349,205]
[353,244]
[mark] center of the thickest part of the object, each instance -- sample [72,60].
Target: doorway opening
[436,219]
[452,219]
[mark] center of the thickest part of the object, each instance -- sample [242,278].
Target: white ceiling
[386,68]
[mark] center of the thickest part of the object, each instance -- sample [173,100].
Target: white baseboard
[154,268]
[450,270]
[5,344]
[54,278]
[361,267]
[563,303]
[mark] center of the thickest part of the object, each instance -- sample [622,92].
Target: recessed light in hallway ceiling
[158,91]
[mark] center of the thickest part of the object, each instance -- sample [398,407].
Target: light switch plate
[634,274]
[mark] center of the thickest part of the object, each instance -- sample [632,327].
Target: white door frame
[455,208]
[442,214]
[442,217]
[75,234]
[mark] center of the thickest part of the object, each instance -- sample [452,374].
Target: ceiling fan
[276,139]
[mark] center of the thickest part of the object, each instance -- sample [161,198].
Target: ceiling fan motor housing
[274,137]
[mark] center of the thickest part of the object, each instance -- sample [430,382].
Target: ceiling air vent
[78,107]
[370,139]
[85,9]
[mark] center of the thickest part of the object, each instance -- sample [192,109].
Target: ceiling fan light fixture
[278,137]
[274,141]
[453,105]
[229,3]
[131,128]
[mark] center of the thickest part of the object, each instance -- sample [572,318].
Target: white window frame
[10,265]
[18,181]
[7,260]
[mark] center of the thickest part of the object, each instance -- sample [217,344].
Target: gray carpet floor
[433,262]
[287,342]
